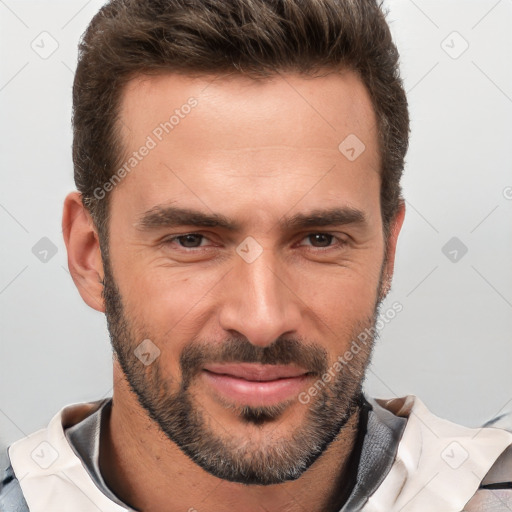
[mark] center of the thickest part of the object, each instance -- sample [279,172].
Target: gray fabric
[380,435]
[11,497]
[383,433]
[504,420]
[496,500]
[84,439]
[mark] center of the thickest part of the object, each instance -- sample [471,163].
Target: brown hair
[258,38]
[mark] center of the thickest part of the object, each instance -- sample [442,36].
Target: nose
[259,301]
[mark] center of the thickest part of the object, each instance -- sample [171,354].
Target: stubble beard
[259,460]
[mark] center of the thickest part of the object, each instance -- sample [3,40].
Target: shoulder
[490,446]
[495,491]
[14,463]
[490,500]
[11,497]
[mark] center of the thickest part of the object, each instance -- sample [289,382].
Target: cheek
[341,301]
[167,309]
[348,286]
[344,301]
[166,301]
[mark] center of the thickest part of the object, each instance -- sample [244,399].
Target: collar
[410,460]
[379,433]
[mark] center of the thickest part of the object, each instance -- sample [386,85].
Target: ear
[84,256]
[389,263]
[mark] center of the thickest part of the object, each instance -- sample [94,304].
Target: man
[238,170]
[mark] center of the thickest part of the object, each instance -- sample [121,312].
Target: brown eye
[320,239]
[189,241]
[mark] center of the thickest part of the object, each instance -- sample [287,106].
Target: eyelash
[340,242]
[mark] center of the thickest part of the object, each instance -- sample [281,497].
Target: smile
[255,385]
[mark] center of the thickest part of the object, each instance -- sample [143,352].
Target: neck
[149,472]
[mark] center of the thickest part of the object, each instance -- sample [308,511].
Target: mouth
[256,384]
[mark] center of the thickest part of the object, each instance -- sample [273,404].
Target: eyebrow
[172,216]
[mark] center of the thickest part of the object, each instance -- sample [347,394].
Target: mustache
[196,355]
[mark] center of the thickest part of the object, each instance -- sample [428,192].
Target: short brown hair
[258,38]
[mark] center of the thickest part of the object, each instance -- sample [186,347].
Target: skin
[254,152]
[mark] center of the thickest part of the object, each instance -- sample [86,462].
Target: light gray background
[451,344]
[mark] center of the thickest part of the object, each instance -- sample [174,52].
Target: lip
[256,372]
[255,385]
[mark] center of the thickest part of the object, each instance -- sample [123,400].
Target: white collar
[429,472]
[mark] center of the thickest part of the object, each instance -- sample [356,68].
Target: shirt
[405,458]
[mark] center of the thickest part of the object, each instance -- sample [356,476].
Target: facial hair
[187,424]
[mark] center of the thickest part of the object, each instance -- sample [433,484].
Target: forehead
[331,106]
[211,137]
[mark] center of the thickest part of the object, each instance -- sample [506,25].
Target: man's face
[278,286]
